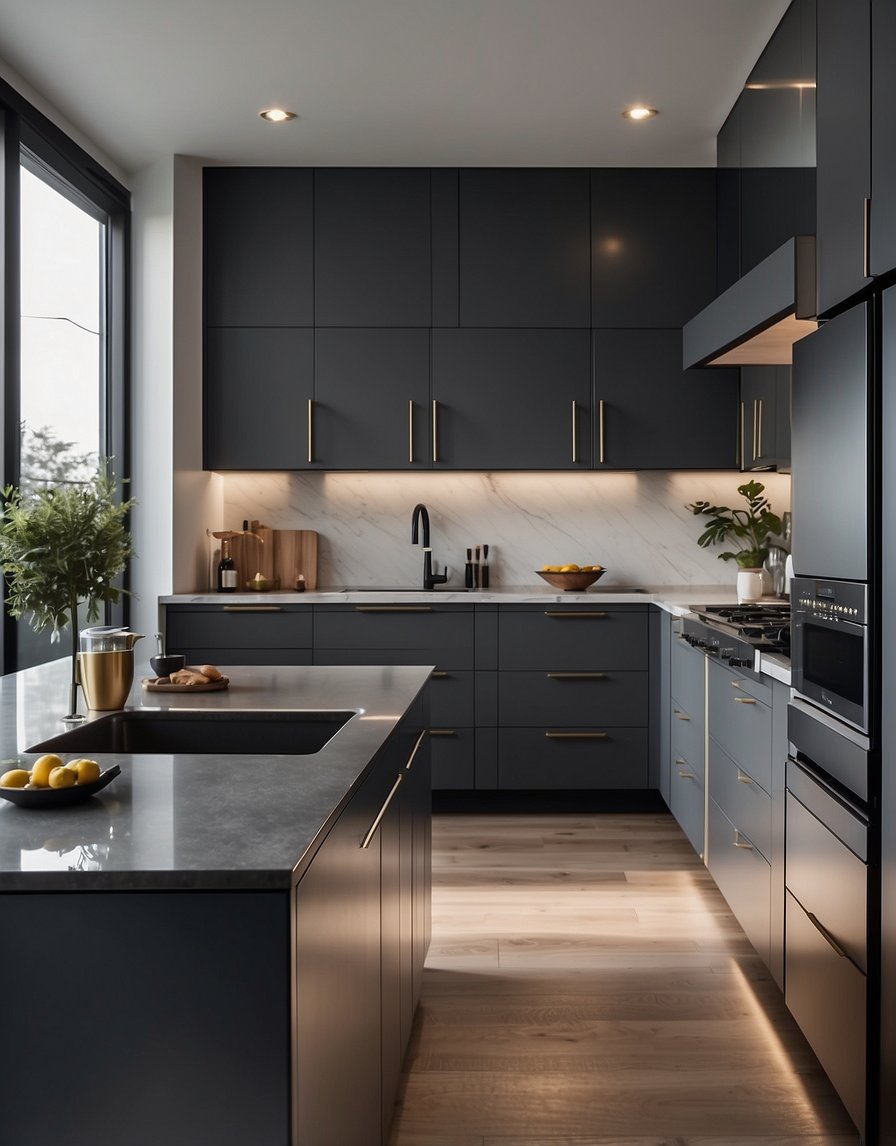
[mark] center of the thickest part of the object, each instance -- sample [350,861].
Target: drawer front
[527,758]
[451,698]
[572,698]
[453,755]
[744,802]
[238,627]
[686,682]
[826,994]
[443,659]
[223,657]
[828,880]
[686,795]
[395,627]
[565,638]
[687,736]
[741,725]
[744,878]
[748,685]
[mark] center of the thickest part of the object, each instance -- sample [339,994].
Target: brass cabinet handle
[251,609]
[415,750]
[679,715]
[743,778]
[410,429]
[741,430]
[557,613]
[442,732]
[575,455]
[736,684]
[576,676]
[310,429]
[737,841]
[435,430]
[759,430]
[371,832]
[755,427]
[744,700]
[439,674]
[600,430]
[393,608]
[820,927]
[866,238]
[682,772]
[575,735]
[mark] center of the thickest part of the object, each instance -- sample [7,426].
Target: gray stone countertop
[189,821]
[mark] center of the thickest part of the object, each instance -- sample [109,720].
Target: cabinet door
[372,247]
[883,121]
[843,148]
[371,399]
[511,399]
[653,245]
[259,246]
[257,387]
[524,248]
[650,414]
[758,447]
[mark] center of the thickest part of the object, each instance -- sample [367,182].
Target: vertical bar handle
[755,428]
[866,238]
[435,430]
[601,418]
[575,456]
[410,429]
[310,429]
[759,431]
[741,430]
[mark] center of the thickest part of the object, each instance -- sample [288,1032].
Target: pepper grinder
[483,569]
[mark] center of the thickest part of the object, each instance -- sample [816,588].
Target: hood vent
[758,319]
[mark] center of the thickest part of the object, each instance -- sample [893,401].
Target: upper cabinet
[883,117]
[764,420]
[653,245]
[372,247]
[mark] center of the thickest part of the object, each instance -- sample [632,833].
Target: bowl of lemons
[573,578]
[51,783]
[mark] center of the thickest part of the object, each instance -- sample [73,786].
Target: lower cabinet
[743,875]
[687,779]
[240,634]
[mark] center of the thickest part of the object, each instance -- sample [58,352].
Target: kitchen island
[206,951]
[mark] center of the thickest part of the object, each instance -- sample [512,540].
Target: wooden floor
[588,986]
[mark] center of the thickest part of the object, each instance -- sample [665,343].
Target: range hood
[758,319]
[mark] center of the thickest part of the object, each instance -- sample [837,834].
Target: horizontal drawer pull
[825,934]
[443,732]
[745,700]
[379,817]
[575,735]
[738,843]
[683,769]
[415,750]
[557,613]
[577,676]
[439,674]
[743,778]
[393,608]
[679,715]
[252,609]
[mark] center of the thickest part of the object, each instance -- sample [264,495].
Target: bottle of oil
[226,569]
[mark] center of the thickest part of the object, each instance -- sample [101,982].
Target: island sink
[290,733]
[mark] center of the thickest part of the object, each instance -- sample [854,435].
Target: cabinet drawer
[686,676]
[826,994]
[828,880]
[686,796]
[687,735]
[744,878]
[572,638]
[744,802]
[443,659]
[451,698]
[238,627]
[453,757]
[742,725]
[528,758]
[571,698]
[223,657]
[396,627]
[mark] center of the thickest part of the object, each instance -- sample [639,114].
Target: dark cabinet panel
[577,639]
[524,247]
[445,268]
[764,417]
[653,245]
[776,204]
[257,387]
[372,247]
[371,399]
[844,148]
[557,759]
[651,414]
[883,121]
[743,875]
[511,399]
[572,699]
[259,246]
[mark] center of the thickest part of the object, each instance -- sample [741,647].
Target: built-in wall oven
[829,647]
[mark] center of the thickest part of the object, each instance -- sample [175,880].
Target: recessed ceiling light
[276,115]
[640,112]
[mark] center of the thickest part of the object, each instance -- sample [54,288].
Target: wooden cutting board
[276,553]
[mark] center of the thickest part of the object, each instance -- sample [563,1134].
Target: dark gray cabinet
[371,400]
[843,149]
[653,244]
[511,399]
[764,422]
[652,414]
[686,767]
[883,121]
[372,263]
[258,385]
[523,247]
[259,246]
[240,634]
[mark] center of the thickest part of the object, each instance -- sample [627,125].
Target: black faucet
[430,579]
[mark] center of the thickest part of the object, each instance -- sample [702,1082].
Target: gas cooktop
[736,633]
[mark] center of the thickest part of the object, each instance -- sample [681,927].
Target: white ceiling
[392,82]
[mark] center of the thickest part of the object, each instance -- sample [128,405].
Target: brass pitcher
[106,666]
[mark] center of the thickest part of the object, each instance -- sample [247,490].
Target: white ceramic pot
[749,586]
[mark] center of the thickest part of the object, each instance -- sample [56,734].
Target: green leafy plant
[62,545]
[749,529]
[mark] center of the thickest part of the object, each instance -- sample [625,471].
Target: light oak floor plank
[587,985]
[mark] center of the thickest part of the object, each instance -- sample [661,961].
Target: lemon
[63,777]
[40,773]
[15,778]
[570,569]
[87,770]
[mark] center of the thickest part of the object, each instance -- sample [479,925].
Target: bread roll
[211,673]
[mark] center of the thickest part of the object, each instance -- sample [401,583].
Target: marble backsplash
[635,524]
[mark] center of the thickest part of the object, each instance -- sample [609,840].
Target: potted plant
[60,546]
[748,530]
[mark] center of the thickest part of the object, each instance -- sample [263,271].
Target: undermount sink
[219,733]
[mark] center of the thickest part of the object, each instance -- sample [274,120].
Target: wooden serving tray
[163,684]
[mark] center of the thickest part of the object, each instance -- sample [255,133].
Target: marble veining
[635,524]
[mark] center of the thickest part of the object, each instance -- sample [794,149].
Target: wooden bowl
[571,582]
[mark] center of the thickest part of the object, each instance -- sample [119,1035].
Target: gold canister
[106,678]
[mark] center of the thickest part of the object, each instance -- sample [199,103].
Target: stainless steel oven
[829,647]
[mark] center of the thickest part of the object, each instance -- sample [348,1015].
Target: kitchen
[636,521]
